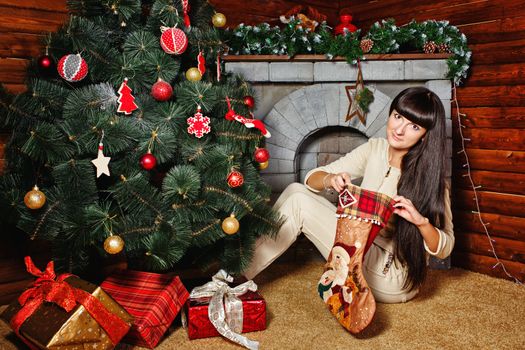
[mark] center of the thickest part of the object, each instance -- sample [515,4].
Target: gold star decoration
[353,92]
[101,162]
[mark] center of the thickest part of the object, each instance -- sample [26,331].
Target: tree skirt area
[455,309]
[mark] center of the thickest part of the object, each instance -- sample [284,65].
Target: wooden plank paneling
[456,12]
[20,45]
[12,70]
[493,117]
[490,202]
[503,139]
[10,291]
[12,269]
[53,6]
[499,52]
[480,159]
[491,181]
[476,243]
[489,96]
[15,88]
[486,265]
[511,227]
[30,21]
[496,74]
[490,31]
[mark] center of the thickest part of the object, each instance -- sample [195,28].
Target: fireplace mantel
[317,68]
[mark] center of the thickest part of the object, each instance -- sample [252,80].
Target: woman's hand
[338,181]
[407,211]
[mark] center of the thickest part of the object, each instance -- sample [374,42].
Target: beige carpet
[456,309]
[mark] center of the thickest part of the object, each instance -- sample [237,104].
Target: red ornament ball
[72,67]
[45,62]
[161,91]
[148,161]
[261,155]
[235,179]
[249,101]
[173,41]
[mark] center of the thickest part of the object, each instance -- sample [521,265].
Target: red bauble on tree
[72,67]
[126,101]
[173,40]
[161,90]
[249,101]
[148,161]
[235,179]
[45,63]
[261,155]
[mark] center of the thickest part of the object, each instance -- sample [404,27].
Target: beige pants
[314,215]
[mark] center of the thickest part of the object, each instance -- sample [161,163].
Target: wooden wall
[492,98]
[22,25]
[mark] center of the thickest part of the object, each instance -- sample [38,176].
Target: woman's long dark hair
[422,177]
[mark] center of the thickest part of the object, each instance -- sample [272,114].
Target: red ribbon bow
[48,287]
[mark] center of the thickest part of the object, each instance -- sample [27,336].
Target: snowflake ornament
[198,124]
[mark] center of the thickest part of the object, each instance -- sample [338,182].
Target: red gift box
[153,299]
[200,326]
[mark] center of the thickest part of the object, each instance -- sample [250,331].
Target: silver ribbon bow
[225,309]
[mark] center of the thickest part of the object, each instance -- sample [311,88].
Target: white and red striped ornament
[72,67]
[173,40]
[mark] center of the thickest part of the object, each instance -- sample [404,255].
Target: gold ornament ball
[264,165]
[193,74]
[35,199]
[230,225]
[218,20]
[113,244]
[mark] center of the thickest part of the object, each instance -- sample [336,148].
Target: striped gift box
[153,299]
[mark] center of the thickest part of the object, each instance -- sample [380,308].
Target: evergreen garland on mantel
[384,38]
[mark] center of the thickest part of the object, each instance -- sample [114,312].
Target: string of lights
[460,115]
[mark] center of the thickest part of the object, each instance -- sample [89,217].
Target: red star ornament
[198,124]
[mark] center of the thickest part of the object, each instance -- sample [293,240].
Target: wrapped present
[65,312]
[217,309]
[153,299]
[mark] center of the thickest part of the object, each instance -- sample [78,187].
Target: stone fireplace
[303,103]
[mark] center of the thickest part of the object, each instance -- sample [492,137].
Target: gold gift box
[51,327]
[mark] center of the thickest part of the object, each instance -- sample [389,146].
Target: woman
[409,166]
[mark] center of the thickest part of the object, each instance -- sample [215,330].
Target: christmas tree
[183,184]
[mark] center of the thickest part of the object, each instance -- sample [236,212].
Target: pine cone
[443,48]
[366,45]
[429,47]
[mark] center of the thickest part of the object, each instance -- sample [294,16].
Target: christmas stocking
[361,214]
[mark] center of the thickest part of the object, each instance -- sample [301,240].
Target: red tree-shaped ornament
[126,101]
